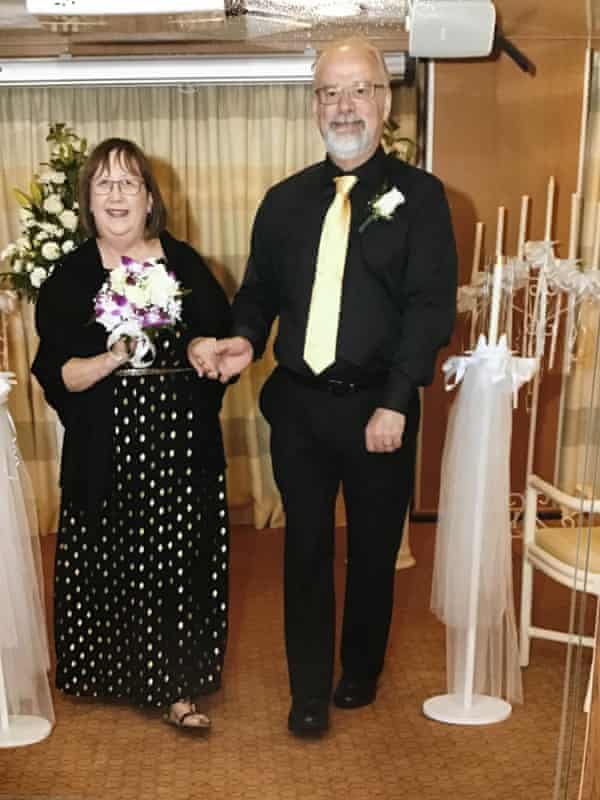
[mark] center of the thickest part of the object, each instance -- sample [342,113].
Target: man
[356,257]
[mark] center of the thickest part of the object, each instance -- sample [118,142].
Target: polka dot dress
[141,591]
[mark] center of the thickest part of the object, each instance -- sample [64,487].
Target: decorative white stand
[467,708]
[16,730]
[453,709]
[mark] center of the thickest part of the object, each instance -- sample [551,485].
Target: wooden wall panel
[500,133]
[541,18]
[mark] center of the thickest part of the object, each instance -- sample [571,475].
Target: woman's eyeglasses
[127,186]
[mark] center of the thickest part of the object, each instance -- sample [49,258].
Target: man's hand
[384,431]
[233,356]
[202,355]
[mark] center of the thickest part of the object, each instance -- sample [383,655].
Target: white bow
[144,353]
[501,363]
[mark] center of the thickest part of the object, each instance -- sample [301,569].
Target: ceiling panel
[250,25]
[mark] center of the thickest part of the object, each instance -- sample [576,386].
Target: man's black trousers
[318,442]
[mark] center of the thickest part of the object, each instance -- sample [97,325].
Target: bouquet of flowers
[49,215]
[135,301]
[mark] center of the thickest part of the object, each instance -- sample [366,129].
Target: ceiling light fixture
[131,7]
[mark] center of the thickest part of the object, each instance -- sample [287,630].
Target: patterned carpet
[388,751]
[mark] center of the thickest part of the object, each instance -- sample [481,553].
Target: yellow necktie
[324,311]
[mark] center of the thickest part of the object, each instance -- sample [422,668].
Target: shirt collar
[371,173]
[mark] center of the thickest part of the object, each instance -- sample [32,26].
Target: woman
[142,556]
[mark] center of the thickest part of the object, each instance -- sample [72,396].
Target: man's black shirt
[399,290]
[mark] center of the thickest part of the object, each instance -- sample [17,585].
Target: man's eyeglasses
[361,90]
[128,186]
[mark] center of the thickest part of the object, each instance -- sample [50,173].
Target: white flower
[118,278]
[383,206]
[50,251]
[8,252]
[388,203]
[53,204]
[17,265]
[45,177]
[68,245]
[38,276]
[52,229]
[136,295]
[69,220]
[58,177]
[41,237]
[25,215]
[161,286]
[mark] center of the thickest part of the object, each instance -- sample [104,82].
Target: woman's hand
[122,349]
[202,355]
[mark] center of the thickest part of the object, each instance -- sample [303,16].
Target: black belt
[335,386]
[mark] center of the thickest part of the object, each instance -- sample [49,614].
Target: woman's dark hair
[134,159]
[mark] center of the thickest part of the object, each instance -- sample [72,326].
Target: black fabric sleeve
[50,357]
[429,298]
[205,308]
[65,325]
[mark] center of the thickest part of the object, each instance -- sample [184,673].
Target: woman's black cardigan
[66,328]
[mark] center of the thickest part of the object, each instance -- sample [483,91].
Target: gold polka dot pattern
[141,590]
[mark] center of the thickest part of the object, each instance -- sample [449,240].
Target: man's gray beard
[346,146]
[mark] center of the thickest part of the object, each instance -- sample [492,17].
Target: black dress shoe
[309,718]
[354,694]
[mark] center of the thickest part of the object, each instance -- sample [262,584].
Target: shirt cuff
[258,345]
[398,392]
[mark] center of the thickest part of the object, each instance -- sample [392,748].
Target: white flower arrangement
[48,215]
[383,206]
[136,300]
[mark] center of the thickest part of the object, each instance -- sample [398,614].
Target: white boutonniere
[383,206]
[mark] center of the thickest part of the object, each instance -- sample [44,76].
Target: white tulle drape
[24,654]
[472,589]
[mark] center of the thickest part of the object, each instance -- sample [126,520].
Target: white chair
[561,553]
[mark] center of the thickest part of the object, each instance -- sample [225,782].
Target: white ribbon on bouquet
[144,352]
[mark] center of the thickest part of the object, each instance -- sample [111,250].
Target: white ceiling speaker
[451,28]
[101,7]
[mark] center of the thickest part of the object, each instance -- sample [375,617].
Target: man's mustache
[346,119]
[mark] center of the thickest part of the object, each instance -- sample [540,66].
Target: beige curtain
[582,405]
[216,150]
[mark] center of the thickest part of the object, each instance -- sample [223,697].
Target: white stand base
[451,708]
[24,730]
